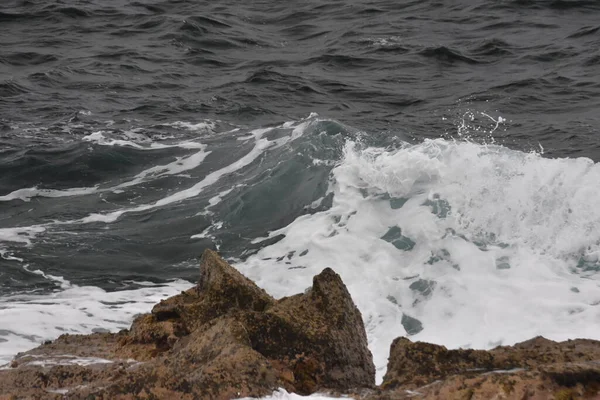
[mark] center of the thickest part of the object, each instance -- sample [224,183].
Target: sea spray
[498,239]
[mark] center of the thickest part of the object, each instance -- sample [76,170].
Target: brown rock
[536,369]
[227,338]
[420,363]
[517,385]
[221,288]
[541,351]
[319,335]
[222,339]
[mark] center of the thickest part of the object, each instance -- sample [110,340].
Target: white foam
[537,218]
[206,233]
[206,126]
[213,201]
[99,138]
[29,319]
[26,194]
[20,234]
[64,284]
[389,41]
[217,199]
[5,254]
[178,166]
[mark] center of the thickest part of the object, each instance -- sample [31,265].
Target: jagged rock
[420,363]
[541,351]
[221,288]
[568,381]
[222,339]
[227,338]
[536,369]
[319,335]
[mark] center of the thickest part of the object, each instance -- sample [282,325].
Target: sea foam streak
[454,242]
[26,194]
[260,146]
[451,242]
[29,319]
[179,165]
[99,137]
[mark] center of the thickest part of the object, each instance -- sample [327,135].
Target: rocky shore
[226,338]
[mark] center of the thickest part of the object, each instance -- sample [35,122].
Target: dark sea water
[439,155]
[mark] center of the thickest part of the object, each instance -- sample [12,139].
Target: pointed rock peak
[325,325]
[221,289]
[329,290]
[216,271]
[327,280]
[218,278]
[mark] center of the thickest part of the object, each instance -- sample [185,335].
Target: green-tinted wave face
[451,242]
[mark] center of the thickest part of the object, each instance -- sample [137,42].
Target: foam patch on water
[453,243]
[64,284]
[204,126]
[179,165]
[137,141]
[21,234]
[26,194]
[7,255]
[30,319]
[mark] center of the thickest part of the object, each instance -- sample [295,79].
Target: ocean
[441,156]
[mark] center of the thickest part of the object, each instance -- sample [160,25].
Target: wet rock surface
[535,369]
[224,338]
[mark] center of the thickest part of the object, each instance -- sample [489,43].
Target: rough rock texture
[420,363]
[221,289]
[535,369]
[226,338]
[222,339]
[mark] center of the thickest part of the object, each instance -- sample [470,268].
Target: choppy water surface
[439,155]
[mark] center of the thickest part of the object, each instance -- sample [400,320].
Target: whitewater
[447,241]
